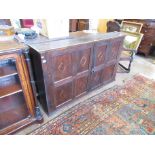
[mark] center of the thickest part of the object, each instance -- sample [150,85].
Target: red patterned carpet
[129,109]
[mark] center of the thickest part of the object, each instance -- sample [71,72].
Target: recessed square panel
[108,73]
[96,78]
[62,67]
[81,85]
[84,60]
[113,54]
[100,54]
[63,93]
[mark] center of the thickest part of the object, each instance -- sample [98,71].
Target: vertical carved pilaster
[29,66]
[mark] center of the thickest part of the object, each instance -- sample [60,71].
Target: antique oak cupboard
[18,105]
[68,68]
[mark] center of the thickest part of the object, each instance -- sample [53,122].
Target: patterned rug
[129,109]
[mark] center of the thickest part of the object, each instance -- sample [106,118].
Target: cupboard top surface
[75,38]
[8,46]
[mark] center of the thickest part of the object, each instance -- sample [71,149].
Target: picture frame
[131,26]
[132,40]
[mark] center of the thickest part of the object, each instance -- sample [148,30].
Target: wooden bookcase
[18,104]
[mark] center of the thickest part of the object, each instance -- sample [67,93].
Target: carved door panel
[63,93]
[61,72]
[62,66]
[84,62]
[114,51]
[96,79]
[69,73]
[99,61]
[81,85]
[108,73]
[100,51]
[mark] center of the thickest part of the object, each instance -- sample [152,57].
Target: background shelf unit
[13,106]
[7,71]
[9,85]
[17,97]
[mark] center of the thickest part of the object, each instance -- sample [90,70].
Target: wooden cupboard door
[63,93]
[83,70]
[81,84]
[108,73]
[100,51]
[60,69]
[62,66]
[70,73]
[96,79]
[114,50]
[83,60]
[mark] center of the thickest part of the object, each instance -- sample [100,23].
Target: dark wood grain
[81,85]
[108,72]
[62,66]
